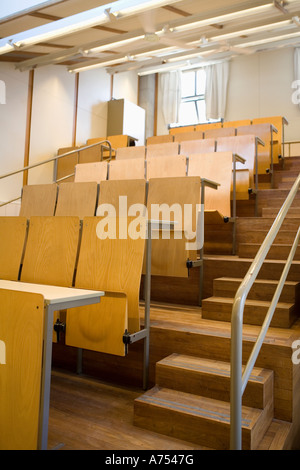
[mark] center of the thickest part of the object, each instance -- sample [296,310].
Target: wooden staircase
[191,398]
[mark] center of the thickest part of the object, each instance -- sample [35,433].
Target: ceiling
[154,35]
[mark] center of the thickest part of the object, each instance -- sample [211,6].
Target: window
[192,108]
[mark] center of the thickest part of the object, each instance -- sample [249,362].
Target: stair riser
[253,315]
[264,292]
[212,384]
[276,252]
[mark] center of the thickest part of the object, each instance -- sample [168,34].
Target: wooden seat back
[173,199]
[244,146]
[51,251]
[222,132]
[278,122]
[239,123]
[133,168]
[162,150]
[114,262]
[111,192]
[66,165]
[88,172]
[77,199]
[216,167]
[131,152]
[197,146]
[263,131]
[178,130]
[160,139]
[194,135]
[206,127]
[13,232]
[168,166]
[38,199]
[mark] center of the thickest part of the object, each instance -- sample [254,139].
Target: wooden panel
[77,199]
[111,191]
[90,155]
[131,152]
[162,150]
[66,165]
[223,132]
[86,172]
[12,241]
[242,185]
[115,264]
[169,256]
[216,167]
[205,127]
[160,139]
[127,169]
[21,327]
[263,131]
[197,146]
[277,122]
[194,135]
[166,166]
[178,130]
[241,122]
[95,140]
[51,251]
[38,199]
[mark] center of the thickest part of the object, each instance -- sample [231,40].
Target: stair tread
[210,366]
[257,281]
[195,405]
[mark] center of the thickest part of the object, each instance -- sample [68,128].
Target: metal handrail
[239,379]
[54,159]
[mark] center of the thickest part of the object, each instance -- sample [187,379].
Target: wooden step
[220,308]
[197,419]
[209,378]
[258,236]
[265,223]
[261,290]
[277,251]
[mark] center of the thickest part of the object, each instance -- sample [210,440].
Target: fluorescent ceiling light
[121,43]
[83,68]
[80,21]
[220,19]
[257,29]
[268,40]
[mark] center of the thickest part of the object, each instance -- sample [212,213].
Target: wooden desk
[55,298]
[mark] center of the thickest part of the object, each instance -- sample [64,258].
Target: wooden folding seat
[178,130]
[111,192]
[160,139]
[278,142]
[21,327]
[245,146]
[90,155]
[38,199]
[87,172]
[51,251]
[65,166]
[197,146]
[239,123]
[167,166]
[205,127]
[133,168]
[194,135]
[113,262]
[131,152]
[13,232]
[95,140]
[77,199]
[265,154]
[173,200]
[162,150]
[222,132]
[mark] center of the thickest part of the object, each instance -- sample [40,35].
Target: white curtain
[296,84]
[217,76]
[169,96]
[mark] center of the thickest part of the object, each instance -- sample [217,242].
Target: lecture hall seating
[95,171]
[189,147]
[38,199]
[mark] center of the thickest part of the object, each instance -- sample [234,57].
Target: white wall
[12,130]
[260,85]
[94,93]
[125,85]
